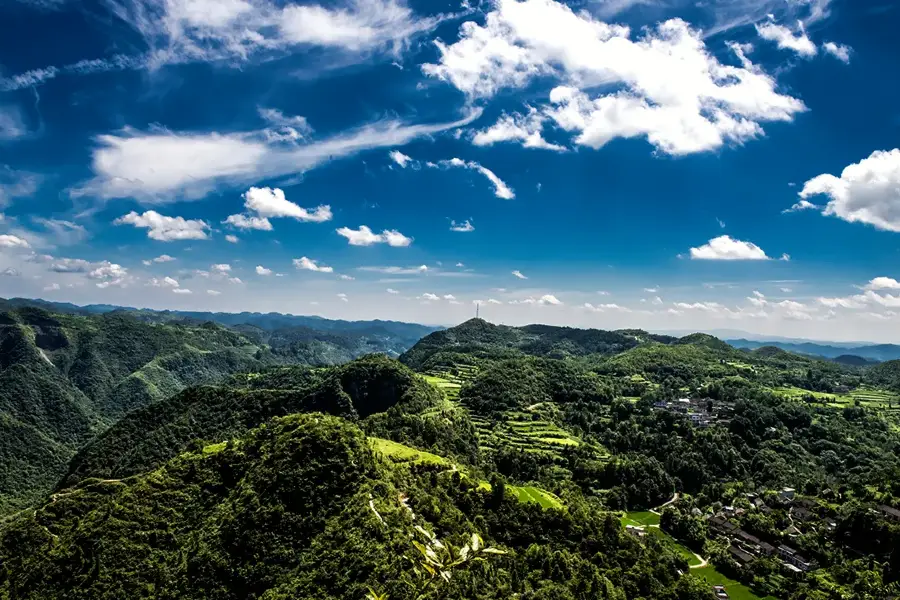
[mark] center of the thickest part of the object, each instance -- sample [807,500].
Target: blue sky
[639,163]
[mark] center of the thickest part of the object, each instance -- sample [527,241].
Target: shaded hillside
[479,338]
[145,438]
[304,508]
[872,352]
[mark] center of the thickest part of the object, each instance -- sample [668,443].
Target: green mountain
[145,438]
[66,377]
[308,507]
[477,337]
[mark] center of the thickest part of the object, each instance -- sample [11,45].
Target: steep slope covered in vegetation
[145,438]
[303,508]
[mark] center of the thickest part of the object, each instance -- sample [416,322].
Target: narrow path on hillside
[656,510]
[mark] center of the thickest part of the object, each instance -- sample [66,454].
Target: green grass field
[881,400]
[678,548]
[640,518]
[736,591]
[405,454]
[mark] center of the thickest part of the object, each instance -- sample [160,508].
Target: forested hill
[65,377]
[394,332]
[477,337]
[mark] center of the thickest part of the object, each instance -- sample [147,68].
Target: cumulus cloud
[400,158]
[392,291]
[109,274]
[220,269]
[462,227]
[69,265]
[271,203]
[665,85]
[839,51]
[364,236]
[787,40]
[232,239]
[182,291]
[261,270]
[52,287]
[801,205]
[162,166]
[214,292]
[549,299]
[12,241]
[605,307]
[248,222]
[427,297]
[165,282]
[310,265]
[726,248]
[866,192]
[516,127]
[883,283]
[166,229]
[518,275]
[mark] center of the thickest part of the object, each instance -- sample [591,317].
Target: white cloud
[12,241]
[343,297]
[525,129]
[213,292]
[549,299]
[450,297]
[726,248]
[365,237]
[652,290]
[162,166]
[839,51]
[310,265]
[420,270]
[501,189]
[52,287]
[428,297]
[163,258]
[392,291]
[518,275]
[62,232]
[347,278]
[786,40]
[883,283]
[665,86]
[166,282]
[866,192]
[399,158]
[493,301]
[182,291]
[271,203]
[605,307]
[233,239]
[109,274]
[462,227]
[220,269]
[235,280]
[11,125]
[801,205]
[166,229]
[840,302]
[10,272]
[248,222]
[460,265]
[261,270]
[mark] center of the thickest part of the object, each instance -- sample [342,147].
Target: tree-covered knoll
[302,508]
[386,395]
[479,338]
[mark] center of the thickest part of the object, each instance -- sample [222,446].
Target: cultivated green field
[881,400]
[640,518]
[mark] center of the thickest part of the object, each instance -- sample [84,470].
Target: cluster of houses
[702,412]
[745,547]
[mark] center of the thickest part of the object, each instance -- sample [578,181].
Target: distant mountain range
[871,353]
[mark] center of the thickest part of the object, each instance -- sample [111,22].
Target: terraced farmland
[881,400]
[402,454]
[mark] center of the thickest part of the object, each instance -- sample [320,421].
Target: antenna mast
[477,309]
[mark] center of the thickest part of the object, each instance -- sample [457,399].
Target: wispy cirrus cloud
[160,166]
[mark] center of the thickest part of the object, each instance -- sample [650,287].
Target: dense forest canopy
[591,464]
